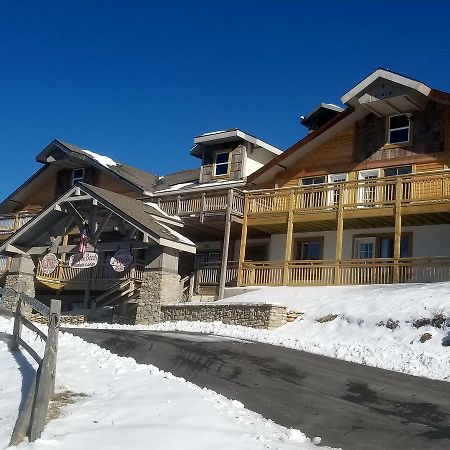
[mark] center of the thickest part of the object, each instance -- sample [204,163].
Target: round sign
[121,260]
[49,263]
[83,260]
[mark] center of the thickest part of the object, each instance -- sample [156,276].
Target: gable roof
[147,218]
[139,179]
[189,176]
[409,95]
[233,134]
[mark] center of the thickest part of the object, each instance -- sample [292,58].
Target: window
[256,252]
[333,194]
[314,198]
[381,246]
[394,171]
[399,129]
[221,163]
[309,249]
[77,175]
[368,193]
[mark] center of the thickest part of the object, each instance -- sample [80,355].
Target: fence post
[17,329]
[46,381]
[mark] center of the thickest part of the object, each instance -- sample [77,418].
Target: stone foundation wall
[66,319]
[20,283]
[255,315]
[157,288]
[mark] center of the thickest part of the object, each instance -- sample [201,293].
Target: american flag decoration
[84,238]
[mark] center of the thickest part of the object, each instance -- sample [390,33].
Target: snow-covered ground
[357,333]
[131,406]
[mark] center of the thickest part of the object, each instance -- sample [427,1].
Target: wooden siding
[329,157]
[235,171]
[429,150]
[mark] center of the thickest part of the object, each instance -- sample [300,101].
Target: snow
[214,132]
[155,206]
[175,187]
[355,335]
[105,161]
[130,405]
[179,236]
[199,186]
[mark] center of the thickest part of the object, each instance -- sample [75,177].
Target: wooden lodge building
[364,198]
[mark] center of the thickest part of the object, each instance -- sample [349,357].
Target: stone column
[160,284]
[20,278]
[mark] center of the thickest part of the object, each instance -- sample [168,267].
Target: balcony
[9,223]
[345,272]
[360,197]
[202,204]
[102,273]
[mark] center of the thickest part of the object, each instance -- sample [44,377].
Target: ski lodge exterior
[364,198]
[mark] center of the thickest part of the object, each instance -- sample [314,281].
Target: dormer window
[77,175]
[399,128]
[221,163]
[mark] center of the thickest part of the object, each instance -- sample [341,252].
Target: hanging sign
[121,260]
[49,263]
[83,260]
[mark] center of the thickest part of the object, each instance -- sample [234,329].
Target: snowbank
[130,405]
[357,333]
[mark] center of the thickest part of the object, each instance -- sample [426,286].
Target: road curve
[348,405]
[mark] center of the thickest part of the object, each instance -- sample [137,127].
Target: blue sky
[137,80]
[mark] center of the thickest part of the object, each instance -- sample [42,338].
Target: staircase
[120,292]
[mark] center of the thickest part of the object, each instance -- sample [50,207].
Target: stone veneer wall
[65,319]
[18,282]
[255,315]
[157,288]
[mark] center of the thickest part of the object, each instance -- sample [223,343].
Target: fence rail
[202,204]
[12,222]
[33,416]
[345,272]
[208,274]
[416,189]
[65,273]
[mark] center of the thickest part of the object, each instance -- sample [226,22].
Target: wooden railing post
[203,207]
[289,232]
[225,246]
[398,228]
[178,205]
[47,372]
[339,235]
[243,240]
[17,328]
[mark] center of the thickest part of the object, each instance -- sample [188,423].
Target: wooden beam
[289,232]
[243,241]
[101,227]
[226,246]
[77,198]
[398,228]
[339,236]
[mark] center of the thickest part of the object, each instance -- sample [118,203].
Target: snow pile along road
[380,325]
[126,405]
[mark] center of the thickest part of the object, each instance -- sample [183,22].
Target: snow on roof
[174,233]
[156,206]
[105,161]
[199,186]
[214,132]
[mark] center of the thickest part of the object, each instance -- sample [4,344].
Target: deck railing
[419,188]
[208,274]
[346,272]
[12,222]
[64,273]
[202,204]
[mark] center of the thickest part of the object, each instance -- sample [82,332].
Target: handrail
[416,189]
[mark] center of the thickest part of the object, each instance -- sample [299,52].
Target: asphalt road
[348,405]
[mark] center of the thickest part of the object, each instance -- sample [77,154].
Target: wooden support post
[225,246]
[17,328]
[243,241]
[47,372]
[178,205]
[398,229]
[289,232]
[339,236]
[203,207]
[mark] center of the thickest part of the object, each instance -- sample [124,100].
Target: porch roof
[114,210]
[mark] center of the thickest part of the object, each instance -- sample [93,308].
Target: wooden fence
[345,272]
[33,416]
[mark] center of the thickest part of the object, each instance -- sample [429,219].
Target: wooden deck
[345,272]
[374,197]
[202,204]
